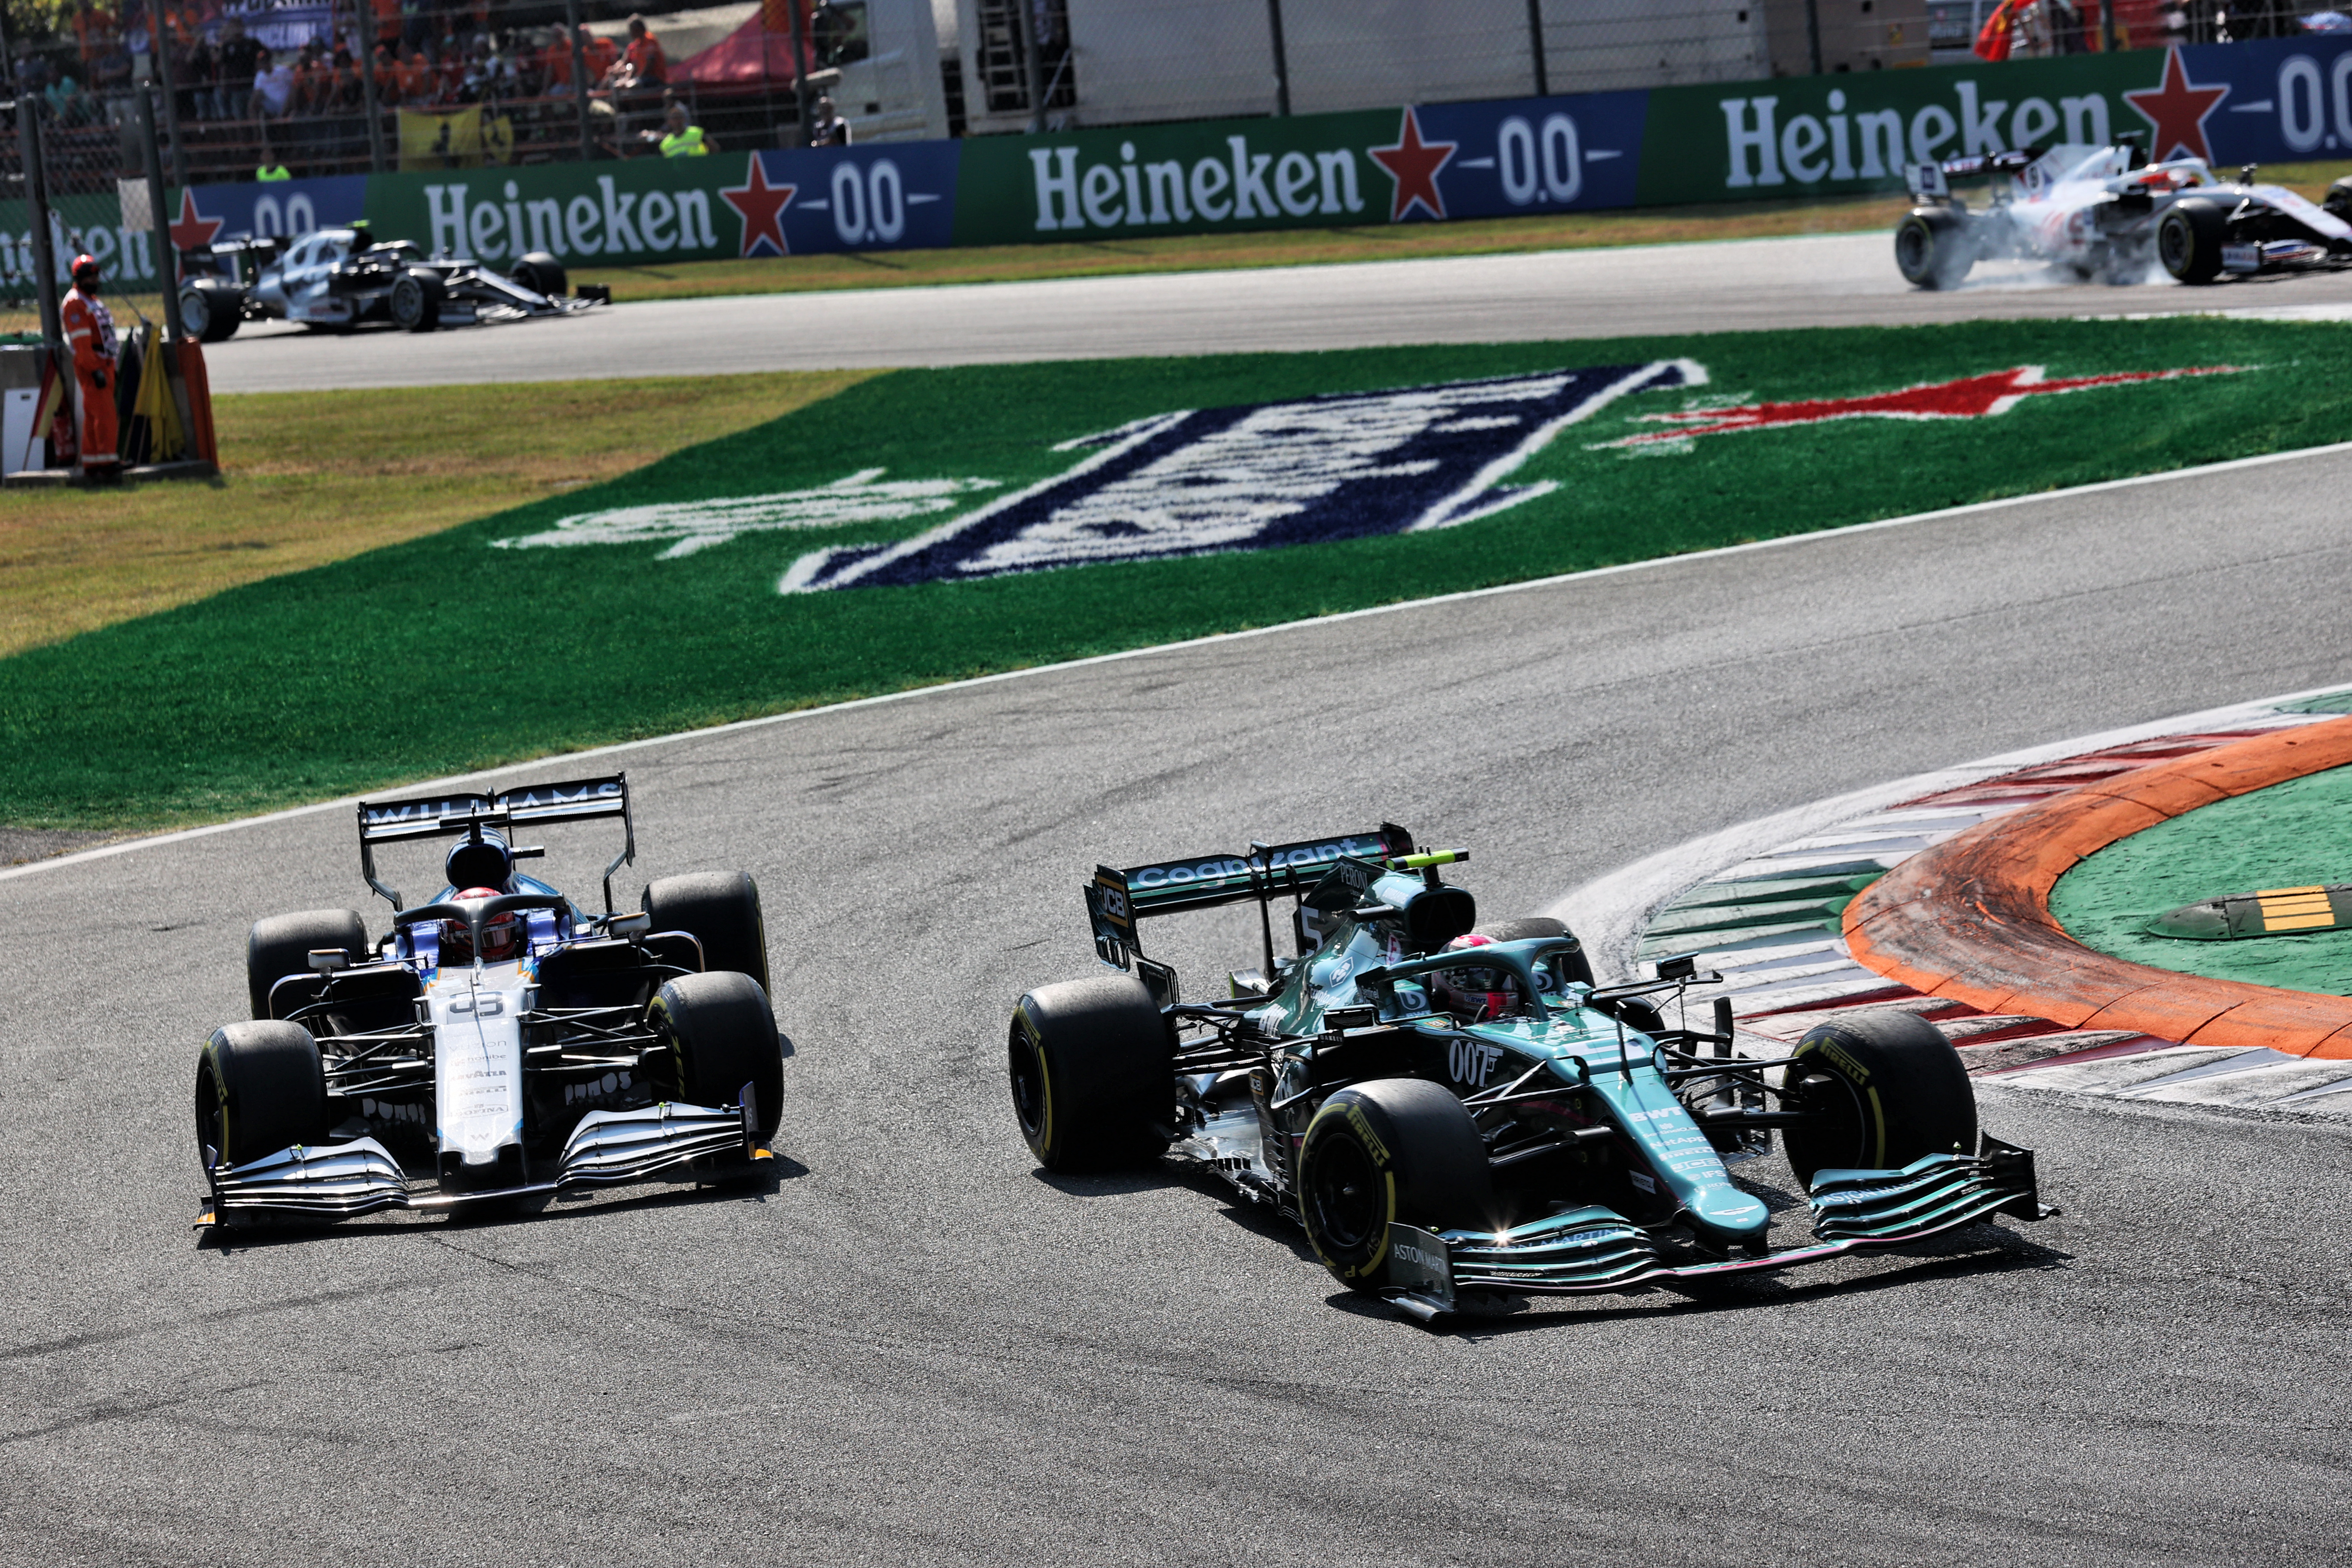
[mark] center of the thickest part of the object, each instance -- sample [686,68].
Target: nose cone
[1730,1212]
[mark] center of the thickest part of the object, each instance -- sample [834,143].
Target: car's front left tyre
[261,1088]
[1395,1151]
[715,1033]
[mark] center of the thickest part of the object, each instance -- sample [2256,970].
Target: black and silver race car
[496,1042]
[1447,1107]
[2106,213]
[337,279]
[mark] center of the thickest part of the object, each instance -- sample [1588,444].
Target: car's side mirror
[631,926]
[327,960]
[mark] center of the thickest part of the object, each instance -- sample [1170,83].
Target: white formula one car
[2106,212]
[496,1042]
[337,279]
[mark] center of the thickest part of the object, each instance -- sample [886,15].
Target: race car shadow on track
[1979,1249]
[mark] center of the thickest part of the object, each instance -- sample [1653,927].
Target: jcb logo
[1114,902]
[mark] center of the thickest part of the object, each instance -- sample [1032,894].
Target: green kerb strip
[2288,836]
[444,654]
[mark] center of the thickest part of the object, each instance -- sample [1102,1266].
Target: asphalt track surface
[1826,281]
[914,1347]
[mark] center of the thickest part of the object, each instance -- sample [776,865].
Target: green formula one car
[1449,1107]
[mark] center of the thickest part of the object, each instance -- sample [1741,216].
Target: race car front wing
[607,1147]
[1594,1249]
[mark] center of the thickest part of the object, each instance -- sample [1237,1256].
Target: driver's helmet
[501,933]
[1475,994]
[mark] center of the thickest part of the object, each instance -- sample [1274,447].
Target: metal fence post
[1536,47]
[1813,33]
[162,47]
[159,214]
[1281,60]
[800,73]
[579,78]
[36,200]
[371,106]
[1032,64]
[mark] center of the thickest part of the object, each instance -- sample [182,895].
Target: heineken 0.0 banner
[2275,101]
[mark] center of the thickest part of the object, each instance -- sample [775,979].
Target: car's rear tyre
[416,299]
[261,1088]
[282,944]
[1884,1088]
[1093,1071]
[210,309]
[1528,927]
[721,911]
[716,1033]
[1932,248]
[540,273]
[1391,1150]
[2189,239]
[2339,199]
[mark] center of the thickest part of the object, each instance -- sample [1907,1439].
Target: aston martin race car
[494,1041]
[2106,212]
[337,278]
[1451,1108]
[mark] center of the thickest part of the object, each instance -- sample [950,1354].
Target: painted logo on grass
[1259,477]
[691,526]
[1970,397]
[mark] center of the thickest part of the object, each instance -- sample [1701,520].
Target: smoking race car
[1448,1107]
[496,1042]
[337,279]
[2106,213]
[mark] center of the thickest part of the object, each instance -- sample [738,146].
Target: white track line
[346,803]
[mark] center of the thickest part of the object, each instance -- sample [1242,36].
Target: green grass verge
[2274,837]
[443,654]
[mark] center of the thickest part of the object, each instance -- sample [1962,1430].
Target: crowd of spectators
[425,55]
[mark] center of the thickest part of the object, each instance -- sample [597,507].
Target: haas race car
[337,278]
[1448,1107]
[2106,213]
[496,1042]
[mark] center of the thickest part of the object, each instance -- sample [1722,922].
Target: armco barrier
[2273,102]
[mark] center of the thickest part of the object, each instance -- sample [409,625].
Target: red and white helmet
[1476,993]
[501,933]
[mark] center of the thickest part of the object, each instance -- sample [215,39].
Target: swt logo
[1206,482]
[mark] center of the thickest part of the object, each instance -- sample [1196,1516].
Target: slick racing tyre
[1528,927]
[714,1033]
[261,1088]
[540,273]
[1395,1150]
[2339,199]
[210,309]
[1932,249]
[1882,1089]
[282,944]
[2189,239]
[721,911]
[416,299]
[1092,1063]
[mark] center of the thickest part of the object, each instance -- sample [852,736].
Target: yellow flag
[442,137]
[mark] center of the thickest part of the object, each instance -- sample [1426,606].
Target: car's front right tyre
[261,1088]
[1394,1150]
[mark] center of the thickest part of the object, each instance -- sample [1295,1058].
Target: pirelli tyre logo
[1258,477]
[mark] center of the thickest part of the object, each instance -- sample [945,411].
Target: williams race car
[337,278]
[1449,1107]
[2106,212]
[496,1042]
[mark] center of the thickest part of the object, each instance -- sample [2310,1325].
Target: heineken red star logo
[193,230]
[1970,397]
[2177,109]
[761,206]
[1413,165]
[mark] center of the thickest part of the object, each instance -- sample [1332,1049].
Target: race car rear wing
[468,811]
[1116,900]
